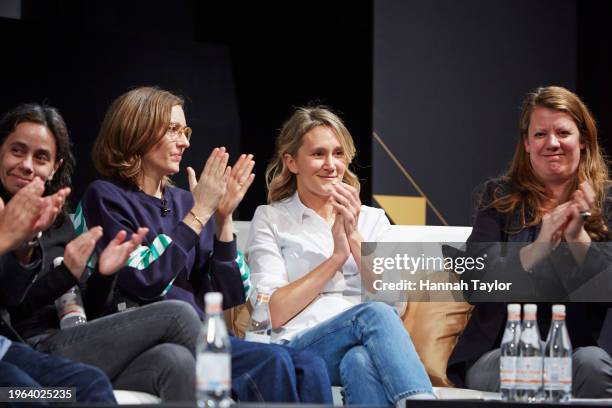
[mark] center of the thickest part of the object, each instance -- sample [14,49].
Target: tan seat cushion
[435,323]
[237,319]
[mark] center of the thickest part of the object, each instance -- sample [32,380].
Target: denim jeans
[369,353]
[273,373]
[22,366]
[149,348]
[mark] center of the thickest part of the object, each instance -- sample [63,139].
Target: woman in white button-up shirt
[306,246]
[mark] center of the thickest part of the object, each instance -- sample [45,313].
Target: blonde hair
[528,195]
[134,123]
[281,182]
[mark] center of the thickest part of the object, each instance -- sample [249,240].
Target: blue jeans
[273,373]
[369,353]
[22,366]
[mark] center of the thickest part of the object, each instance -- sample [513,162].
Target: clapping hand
[210,188]
[238,183]
[566,221]
[51,207]
[28,213]
[582,201]
[346,202]
[117,252]
[78,251]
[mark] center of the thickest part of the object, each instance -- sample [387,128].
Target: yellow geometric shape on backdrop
[404,210]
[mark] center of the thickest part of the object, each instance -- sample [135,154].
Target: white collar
[295,207]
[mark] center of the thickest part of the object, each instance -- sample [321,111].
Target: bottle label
[529,373]
[257,337]
[213,372]
[558,373]
[507,372]
[70,305]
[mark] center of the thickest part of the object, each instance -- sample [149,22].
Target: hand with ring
[581,203]
[346,202]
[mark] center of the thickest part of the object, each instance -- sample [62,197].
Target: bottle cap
[213,298]
[530,308]
[558,308]
[514,308]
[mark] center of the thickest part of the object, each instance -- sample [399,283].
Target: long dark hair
[49,117]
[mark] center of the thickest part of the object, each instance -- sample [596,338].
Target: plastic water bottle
[558,359]
[260,328]
[530,364]
[510,353]
[213,361]
[70,309]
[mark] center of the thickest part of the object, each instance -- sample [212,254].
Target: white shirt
[287,240]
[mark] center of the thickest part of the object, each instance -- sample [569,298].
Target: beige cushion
[237,319]
[435,323]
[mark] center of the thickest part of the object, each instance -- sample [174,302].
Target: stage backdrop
[449,77]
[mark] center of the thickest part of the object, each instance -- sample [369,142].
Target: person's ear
[290,163]
[55,168]
[526,144]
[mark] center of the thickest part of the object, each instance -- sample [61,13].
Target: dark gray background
[449,77]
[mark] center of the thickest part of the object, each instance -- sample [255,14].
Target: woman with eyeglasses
[141,350]
[190,248]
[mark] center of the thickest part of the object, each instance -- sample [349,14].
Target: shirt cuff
[225,251]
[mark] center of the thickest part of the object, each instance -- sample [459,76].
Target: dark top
[173,261]
[29,293]
[15,280]
[485,327]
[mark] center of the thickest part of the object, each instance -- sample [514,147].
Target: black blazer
[485,327]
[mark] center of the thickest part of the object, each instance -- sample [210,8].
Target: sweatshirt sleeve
[155,264]
[219,270]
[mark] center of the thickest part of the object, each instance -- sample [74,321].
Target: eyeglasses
[175,131]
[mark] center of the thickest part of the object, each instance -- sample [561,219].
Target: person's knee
[184,323]
[174,359]
[589,360]
[13,376]
[592,372]
[356,360]
[181,310]
[379,312]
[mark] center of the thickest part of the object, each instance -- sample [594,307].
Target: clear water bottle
[70,310]
[260,327]
[530,365]
[213,361]
[510,353]
[558,359]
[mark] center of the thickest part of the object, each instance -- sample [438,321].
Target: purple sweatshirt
[173,262]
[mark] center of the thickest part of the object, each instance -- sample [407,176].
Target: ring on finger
[585,215]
